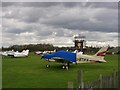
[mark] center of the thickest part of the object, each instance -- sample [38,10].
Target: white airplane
[8,53]
[38,52]
[4,53]
[67,57]
[24,53]
[44,52]
[48,52]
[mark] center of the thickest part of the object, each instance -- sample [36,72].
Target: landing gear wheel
[47,66]
[67,67]
[63,66]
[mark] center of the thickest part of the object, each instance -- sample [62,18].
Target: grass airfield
[30,72]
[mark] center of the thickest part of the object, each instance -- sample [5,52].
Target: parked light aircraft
[8,53]
[24,53]
[4,54]
[44,52]
[38,52]
[67,57]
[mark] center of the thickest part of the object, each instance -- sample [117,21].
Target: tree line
[33,47]
[49,47]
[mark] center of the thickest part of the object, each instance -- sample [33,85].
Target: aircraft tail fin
[102,51]
[26,52]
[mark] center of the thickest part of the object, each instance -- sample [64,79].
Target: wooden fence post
[110,80]
[70,85]
[101,81]
[80,80]
[117,75]
[107,82]
[114,79]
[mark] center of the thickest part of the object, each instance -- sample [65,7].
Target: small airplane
[24,53]
[38,52]
[8,53]
[4,54]
[44,52]
[67,57]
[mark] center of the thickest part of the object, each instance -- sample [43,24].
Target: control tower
[79,42]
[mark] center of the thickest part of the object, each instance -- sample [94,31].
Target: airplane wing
[61,56]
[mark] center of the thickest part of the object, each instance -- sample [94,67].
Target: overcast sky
[57,22]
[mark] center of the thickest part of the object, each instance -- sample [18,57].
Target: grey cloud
[44,33]
[31,16]
[59,33]
[106,26]
[109,5]
[23,14]
[15,30]
[112,5]
[104,20]
[29,4]
[40,4]
[7,4]
[65,21]
[54,22]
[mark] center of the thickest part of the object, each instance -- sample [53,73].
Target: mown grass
[30,72]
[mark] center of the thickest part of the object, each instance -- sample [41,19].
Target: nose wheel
[47,66]
[63,66]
